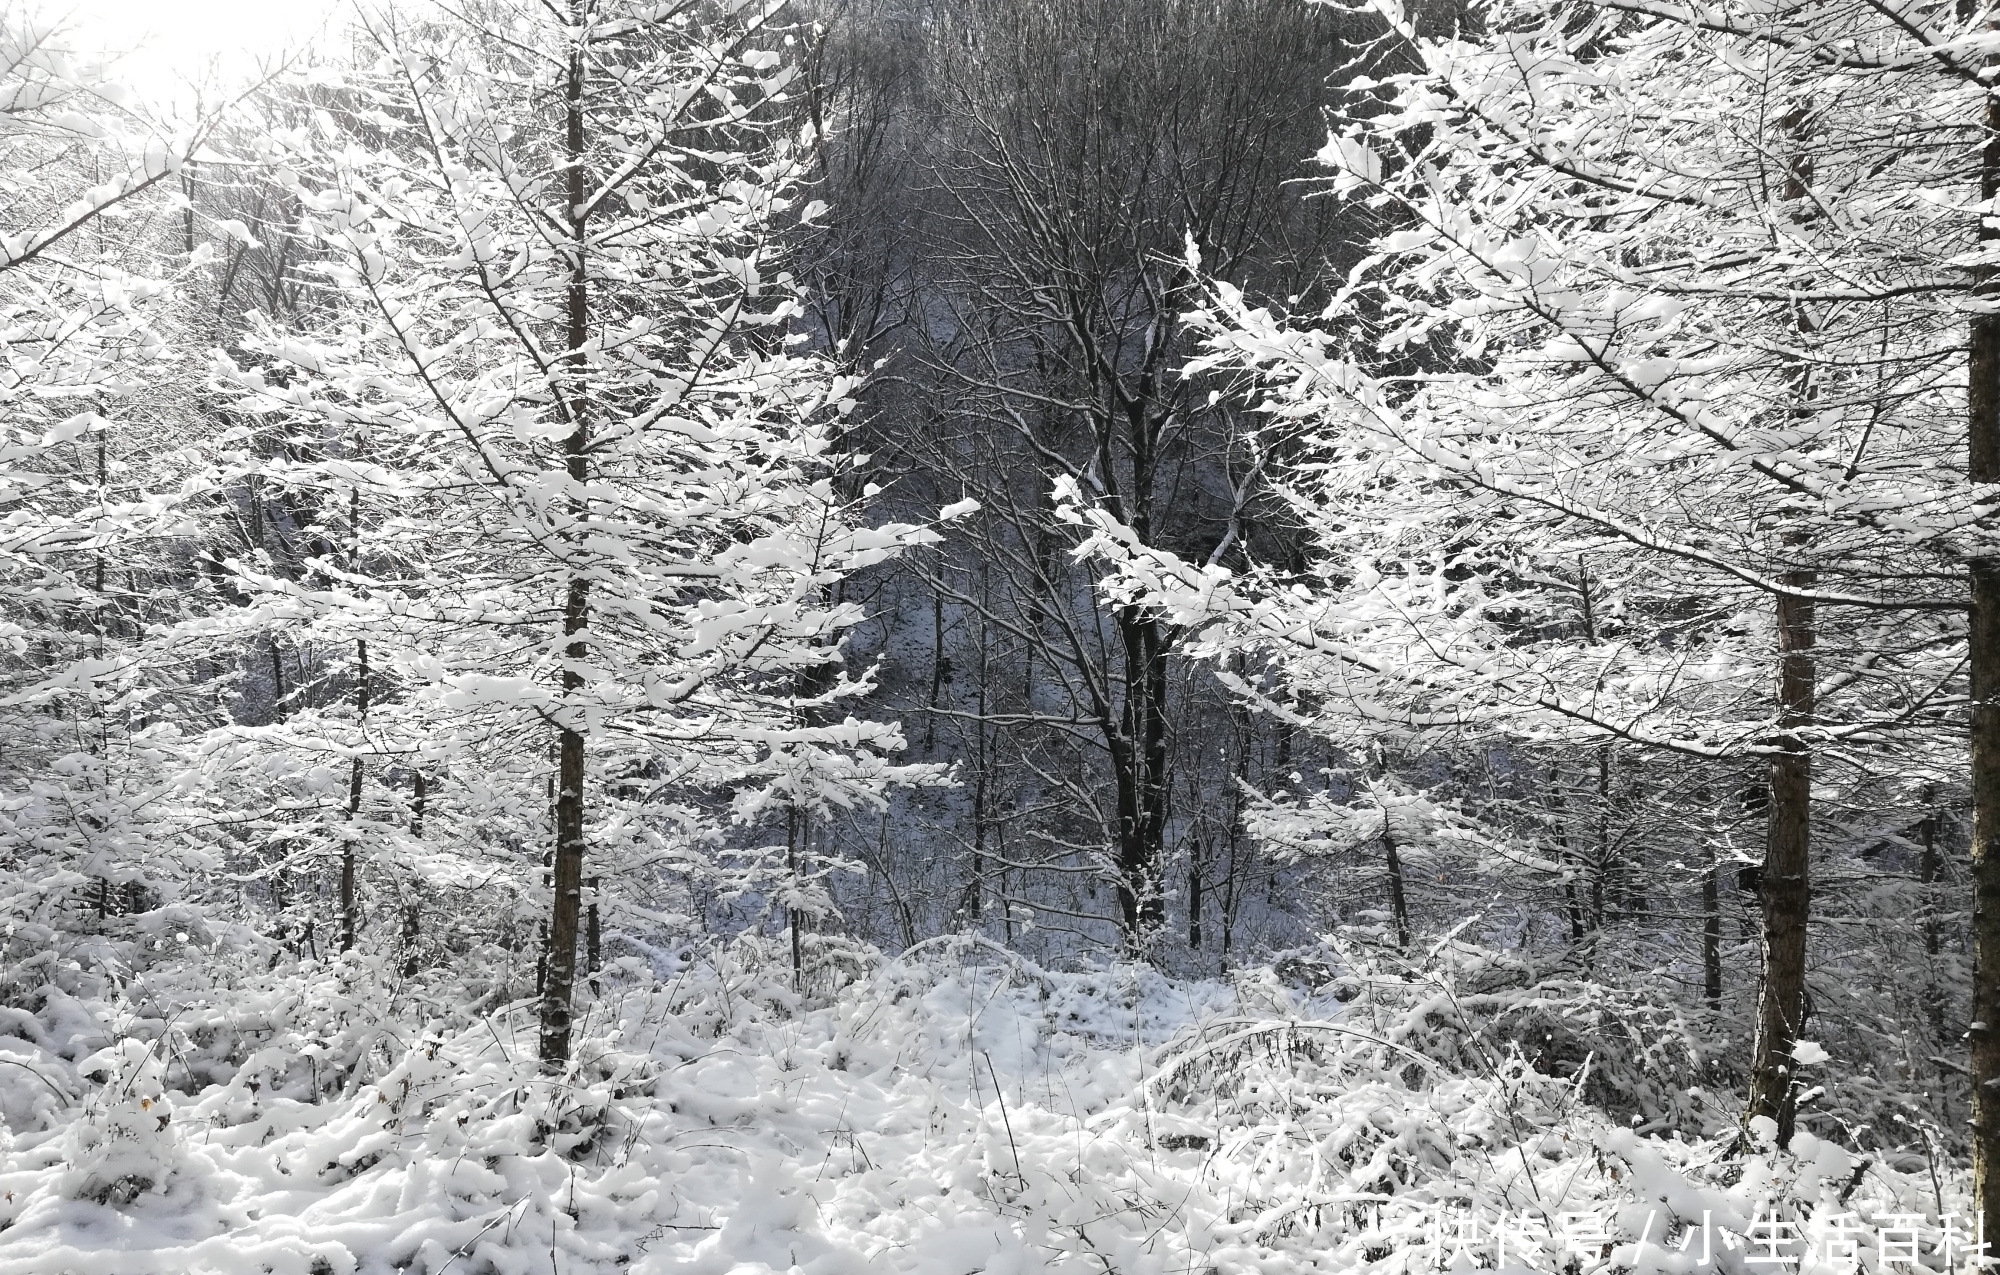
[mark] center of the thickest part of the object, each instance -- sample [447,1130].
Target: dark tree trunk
[350,902]
[1929,869]
[1711,933]
[593,940]
[413,912]
[1142,780]
[1397,903]
[1194,903]
[1591,926]
[1983,654]
[975,888]
[791,910]
[940,669]
[567,887]
[1572,862]
[1242,735]
[1784,884]
[277,681]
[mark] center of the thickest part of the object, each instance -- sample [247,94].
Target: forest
[1134,637]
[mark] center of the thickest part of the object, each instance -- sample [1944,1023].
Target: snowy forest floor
[949,1111]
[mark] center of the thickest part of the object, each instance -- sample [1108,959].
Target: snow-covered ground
[951,1111]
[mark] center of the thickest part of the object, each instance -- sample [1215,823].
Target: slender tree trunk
[1243,733]
[1929,869]
[939,663]
[1711,933]
[567,891]
[1603,880]
[413,912]
[277,680]
[1573,862]
[1784,884]
[1397,903]
[1392,858]
[975,889]
[1983,654]
[593,940]
[791,909]
[1142,780]
[350,903]
[1600,854]
[1195,866]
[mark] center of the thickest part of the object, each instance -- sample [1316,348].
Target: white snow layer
[924,1118]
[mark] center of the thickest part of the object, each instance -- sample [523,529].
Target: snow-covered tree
[1644,419]
[101,492]
[579,490]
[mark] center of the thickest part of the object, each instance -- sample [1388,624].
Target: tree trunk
[566,890]
[593,940]
[1392,858]
[940,664]
[413,913]
[1784,884]
[1711,933]
[1593,925]
[1573,864]
[791,909]
[277,680]
[1929,869]
[1142,780]
[350,903]
[1397,904]
[975,889]
[567,893]
[1983,656]
[1242,735]
[1195,867]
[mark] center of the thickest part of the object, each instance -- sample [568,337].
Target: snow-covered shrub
[122,1143]
[956,1107]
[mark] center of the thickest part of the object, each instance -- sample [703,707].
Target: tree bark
[1197,864]
[1392,858]
[413,913]
[1711,933]
[350,919]
[277,680]
[791,909]
[975,888]
[1141,763]
[593,940]
[1784,884]
[1983,656]
[1397,901]
[567,887]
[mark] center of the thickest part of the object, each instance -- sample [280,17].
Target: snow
[931,1115]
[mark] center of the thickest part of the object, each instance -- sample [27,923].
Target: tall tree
[102,496]
[1656,291]
[601,476]
[1028,287]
